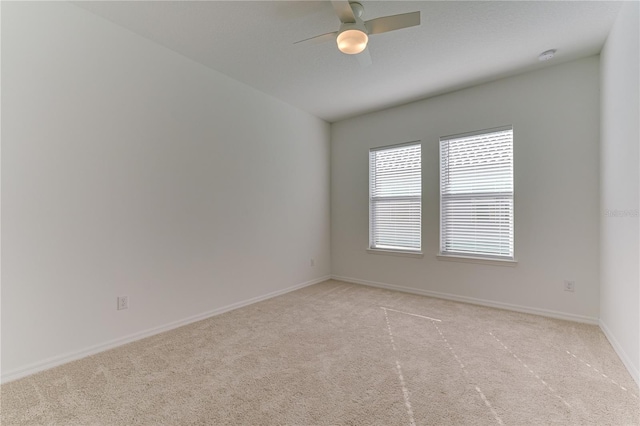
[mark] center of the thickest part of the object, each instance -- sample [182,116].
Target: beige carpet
[330,354]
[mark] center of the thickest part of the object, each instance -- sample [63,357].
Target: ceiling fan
[353,35]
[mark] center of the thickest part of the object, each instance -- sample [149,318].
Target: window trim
[473,259]
[478,257]
[477,132]
[417,253]
[401,253]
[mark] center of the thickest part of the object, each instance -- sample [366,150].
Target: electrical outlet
[569,286]
[123,302]
[312,262]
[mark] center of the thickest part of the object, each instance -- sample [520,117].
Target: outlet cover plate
[569,286]
[123,302]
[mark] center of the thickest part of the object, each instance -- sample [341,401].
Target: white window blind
[476,194]
[395,197]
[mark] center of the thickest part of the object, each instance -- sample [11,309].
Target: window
[476,194]
[395,197]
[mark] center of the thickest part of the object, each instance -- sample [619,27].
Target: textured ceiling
[459,44]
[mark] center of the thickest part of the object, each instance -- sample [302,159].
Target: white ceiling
[458,44]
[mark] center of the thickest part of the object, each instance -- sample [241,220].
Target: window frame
[371,248]
[476,257]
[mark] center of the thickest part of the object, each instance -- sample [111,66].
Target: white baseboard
[474,301]
[633,370]
[72,356]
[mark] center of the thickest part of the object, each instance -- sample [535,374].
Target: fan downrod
[358,9]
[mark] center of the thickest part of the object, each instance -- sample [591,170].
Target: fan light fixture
[352,41]
[353,35]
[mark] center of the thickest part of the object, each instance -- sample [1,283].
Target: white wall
[128,169]
[619,182]
[555,115]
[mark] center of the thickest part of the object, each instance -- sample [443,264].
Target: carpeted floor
[342,354]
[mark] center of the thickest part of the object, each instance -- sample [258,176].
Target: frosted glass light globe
[352,42]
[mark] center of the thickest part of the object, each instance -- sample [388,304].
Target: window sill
[414,254]
[482,260]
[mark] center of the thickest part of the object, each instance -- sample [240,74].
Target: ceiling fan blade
[319,39]
[343,10]
[364,58]
[391,23]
